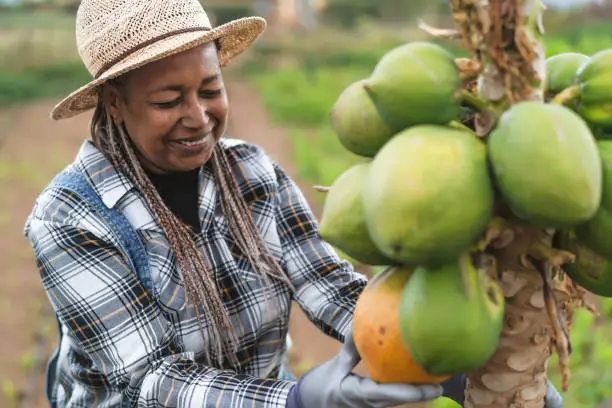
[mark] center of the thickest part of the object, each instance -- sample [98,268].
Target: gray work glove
[454,389]
[333,385]
[553,399]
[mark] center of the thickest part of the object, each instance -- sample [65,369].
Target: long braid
[200,286]
[242,226]
[241,223]
[189,258]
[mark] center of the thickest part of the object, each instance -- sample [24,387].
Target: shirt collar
[110,184]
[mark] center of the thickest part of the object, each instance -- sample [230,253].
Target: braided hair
[203,295]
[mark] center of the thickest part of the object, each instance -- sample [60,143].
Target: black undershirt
[180,193]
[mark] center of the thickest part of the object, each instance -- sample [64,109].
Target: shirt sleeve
[327,287]
[132,345]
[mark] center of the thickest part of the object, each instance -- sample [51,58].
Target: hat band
[150,41]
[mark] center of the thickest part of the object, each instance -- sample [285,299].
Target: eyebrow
[179,88]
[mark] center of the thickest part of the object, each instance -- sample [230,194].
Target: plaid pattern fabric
[120,341]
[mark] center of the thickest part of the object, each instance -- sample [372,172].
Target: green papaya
[546,164]
[451,316]
[561,71]
[594,79]
[342,221]
[590,270]
[596,232]
[357,123]
[416,83]
[428,194]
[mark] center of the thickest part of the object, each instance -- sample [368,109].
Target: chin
[192,163]
[188,165]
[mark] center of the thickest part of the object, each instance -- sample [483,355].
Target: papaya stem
[554,257]
[458,125]
[447,33]
[534,21]
[466,266]
[567,95]
[469,69]
[498,234]
[322,189]
[473,101]
[560,332]
[579,295]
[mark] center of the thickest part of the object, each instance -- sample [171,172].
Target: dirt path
[32,149]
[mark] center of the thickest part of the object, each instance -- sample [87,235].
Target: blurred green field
[39,57]
[36,38]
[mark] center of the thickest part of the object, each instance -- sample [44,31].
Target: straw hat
[116,36]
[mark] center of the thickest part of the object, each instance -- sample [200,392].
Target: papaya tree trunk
[503,37]
[515,376]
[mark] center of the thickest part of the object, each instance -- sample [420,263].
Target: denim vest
[130,244]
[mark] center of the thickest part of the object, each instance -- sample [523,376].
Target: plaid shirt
[119,340]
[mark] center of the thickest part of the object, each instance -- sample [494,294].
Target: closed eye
[211,93]
[208,94]
[169,104]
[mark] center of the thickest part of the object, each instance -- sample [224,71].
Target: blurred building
[280,13]
[291,13]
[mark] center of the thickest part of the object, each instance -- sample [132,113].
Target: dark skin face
[175,110]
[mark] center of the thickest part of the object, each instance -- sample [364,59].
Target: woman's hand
[553,399]
[333,385]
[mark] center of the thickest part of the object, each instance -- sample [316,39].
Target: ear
[113,101]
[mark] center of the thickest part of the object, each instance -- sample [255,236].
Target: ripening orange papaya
[377,335]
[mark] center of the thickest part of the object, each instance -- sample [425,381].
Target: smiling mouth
[197,141]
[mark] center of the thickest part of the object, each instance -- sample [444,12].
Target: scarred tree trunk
[516,374]
[504,39]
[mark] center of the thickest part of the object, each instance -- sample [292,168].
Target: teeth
[192,143]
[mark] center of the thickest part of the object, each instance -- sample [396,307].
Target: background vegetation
[300,94]
[299,81]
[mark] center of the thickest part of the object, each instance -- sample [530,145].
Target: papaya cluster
[427,188]
[584,84]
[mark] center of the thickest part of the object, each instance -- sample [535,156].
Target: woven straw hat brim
[234,37]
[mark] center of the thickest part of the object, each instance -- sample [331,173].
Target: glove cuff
[454,388]
[293,398]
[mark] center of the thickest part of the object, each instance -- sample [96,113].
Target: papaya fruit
[376,331]
[428,194]
[594,79]
[342,223]
[590,270]
[546,164]
[596,232]
[561,71]
[416,83]
[451,317]
[356,122]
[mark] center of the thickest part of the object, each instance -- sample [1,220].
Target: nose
[195,115]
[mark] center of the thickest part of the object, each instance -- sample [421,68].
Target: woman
[171,254]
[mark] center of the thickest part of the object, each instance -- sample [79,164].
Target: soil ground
[32,149]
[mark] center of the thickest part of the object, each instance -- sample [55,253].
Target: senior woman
[170,254]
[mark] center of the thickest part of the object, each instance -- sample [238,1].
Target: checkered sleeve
[327,287]
[110,317]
